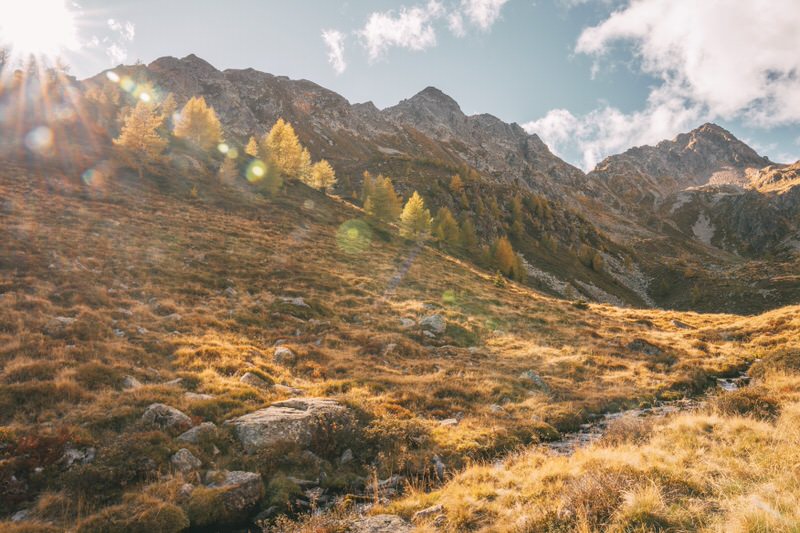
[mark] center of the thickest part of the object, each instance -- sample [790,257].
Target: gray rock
[242,490]
[21,516]
[285,389]
[194,435]
[184,461]
[130,382]
[292,421]
[194,396]
[346,457]
[177,382]
[435,324]
[407,323]
[535,380]
[430,512]
[382,523]
[448,422]
[297,301]
[58,324]
[166,417]
[249,378]
[73,455]
[230,292]
[389,348]
[680,325]
[284,356]
[495,408]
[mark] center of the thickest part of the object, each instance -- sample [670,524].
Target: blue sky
[592,77]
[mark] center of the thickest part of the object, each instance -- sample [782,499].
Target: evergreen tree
[383,203]
[456,185]
[283,148]
[304,171]
[139,143]
[198,124]
[506,260]
[445,227]
[252,147]
[322,175]
[469,237]
[415,221]
[517,224]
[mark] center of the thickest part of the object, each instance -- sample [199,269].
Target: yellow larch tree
[198,124]
[139,144]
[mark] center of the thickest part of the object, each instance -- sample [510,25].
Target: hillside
[217,301]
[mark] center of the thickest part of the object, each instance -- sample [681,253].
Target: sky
[591,77]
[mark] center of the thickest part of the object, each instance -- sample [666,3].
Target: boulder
[346,457]
[290,421]
[435,324]
[297,301]
[166,417]
[382,523]
[284,356]
[254,380]
[130,382]
[227,497]
[535,380]
[406,323]
[194,435]
[185,461]
[430,512]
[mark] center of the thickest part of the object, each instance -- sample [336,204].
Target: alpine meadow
[235,301]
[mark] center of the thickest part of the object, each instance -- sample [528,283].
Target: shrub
[751,401]
[137,514]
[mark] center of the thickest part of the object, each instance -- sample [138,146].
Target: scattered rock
[642,346]
[279,342]
[254,380]
[424,514]
[535,379]
[73,455]
[389,348]
[382,523]
[194,396]
[284,356]
[435,324]
[230,292]
[20,516]
[346,457]
[185,461]
[166,417]
[241,490]
[297,301]
[407,323]
[285,389]
[174,317]
[495,408]
[177,382]
[681,325]
[130,382]
[448,422]
[439,467]
[294,421]
[58,324]
[194,435]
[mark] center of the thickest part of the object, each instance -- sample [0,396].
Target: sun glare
[42,28]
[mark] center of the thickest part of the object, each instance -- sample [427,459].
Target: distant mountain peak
[432,99]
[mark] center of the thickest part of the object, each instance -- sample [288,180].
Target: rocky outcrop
[294,421]
[166,417]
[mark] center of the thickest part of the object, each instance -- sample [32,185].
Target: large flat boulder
[291,421]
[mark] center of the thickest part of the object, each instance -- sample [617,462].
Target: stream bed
[595,429]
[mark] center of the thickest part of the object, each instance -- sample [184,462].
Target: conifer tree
[252,147]
[456,185]
[445,227]
[517,224]
[469,237]
[139,143]
[383,203]
[322,175]
[415,221]
[198,124]
[367,187]
[168,108]
[506,260]
[304,170]
[284,149]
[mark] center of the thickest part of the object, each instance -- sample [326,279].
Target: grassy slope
[144,268]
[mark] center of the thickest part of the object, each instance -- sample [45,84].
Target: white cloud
[715,59]
[455,21]
[482,13]
[334,42]
[736,58]
[408,28]
[122,32]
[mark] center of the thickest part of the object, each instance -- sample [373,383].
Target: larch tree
[506,260]
[469,237]
[323,176]
[304,170]
[383,203]
[168,108]
[283,148]
[415,221]
[445,227]
[139,144]
[456,185]
[252,147]
[198,124]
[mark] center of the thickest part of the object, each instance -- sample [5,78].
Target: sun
[40,28]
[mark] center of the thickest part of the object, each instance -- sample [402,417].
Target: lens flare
[223,148]
[39,139]
[113,76]
[41,28]
[256,171]
[354,236]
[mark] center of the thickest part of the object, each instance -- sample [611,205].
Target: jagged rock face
[776,178]
[249,102]
[706,155]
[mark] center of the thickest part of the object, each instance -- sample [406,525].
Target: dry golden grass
[159,285]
